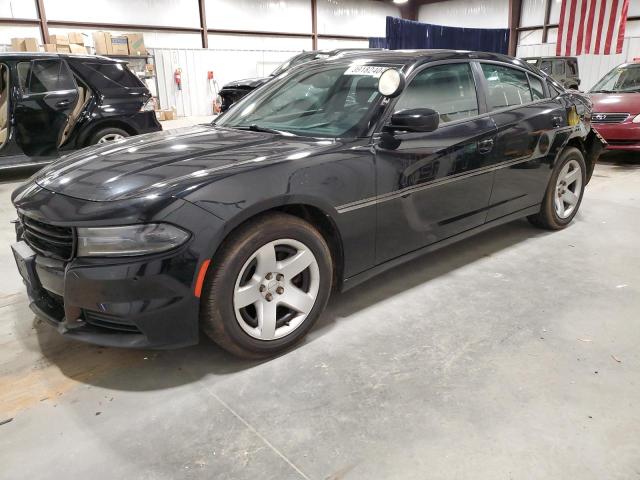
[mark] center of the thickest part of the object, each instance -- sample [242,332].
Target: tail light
[149,105]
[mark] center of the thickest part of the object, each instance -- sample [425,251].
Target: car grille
[48,240]
[608,117]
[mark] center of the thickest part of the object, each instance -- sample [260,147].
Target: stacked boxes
[29,44]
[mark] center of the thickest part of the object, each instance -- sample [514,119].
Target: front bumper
[138,302]
[620,136]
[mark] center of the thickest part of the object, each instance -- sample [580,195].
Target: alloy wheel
[568,189]
[276,289]
[110,137]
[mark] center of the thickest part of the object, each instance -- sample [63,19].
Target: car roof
[550,58]
[45,55]
[409,57]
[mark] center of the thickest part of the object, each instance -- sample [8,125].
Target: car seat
[83,98]
[4,104]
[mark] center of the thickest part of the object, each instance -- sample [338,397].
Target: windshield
[625,78]
[294,62]
[317,101]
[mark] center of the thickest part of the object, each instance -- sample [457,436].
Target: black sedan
[325,177]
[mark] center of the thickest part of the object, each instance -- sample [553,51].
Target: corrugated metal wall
[592,67]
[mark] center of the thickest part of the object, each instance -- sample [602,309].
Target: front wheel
[267,286]
[564,192]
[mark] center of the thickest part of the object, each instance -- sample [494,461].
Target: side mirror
[415,120]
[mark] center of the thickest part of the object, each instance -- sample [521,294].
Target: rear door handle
[63,103]
[485,146]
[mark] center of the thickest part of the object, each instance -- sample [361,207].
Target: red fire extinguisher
[177,77]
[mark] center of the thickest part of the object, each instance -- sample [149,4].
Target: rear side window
[447,89]
[507,87]
[116,73]
[537,90]
[558,67]
[43,76]
[545,66]
[573,67]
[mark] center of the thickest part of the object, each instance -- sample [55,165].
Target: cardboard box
[59,39]
[149,70]
[102,42]
[76,38]
[119,46]
[50,47]
[136,44]
[77,48]
[63,49]
[29,44]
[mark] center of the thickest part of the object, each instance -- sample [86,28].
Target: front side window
[448,89]
[507,87]
[320,101]
[44,76]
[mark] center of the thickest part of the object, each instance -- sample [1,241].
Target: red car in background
[616,107]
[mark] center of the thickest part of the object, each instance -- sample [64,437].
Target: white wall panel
[261,15]
[333,43]
[18,9]
[592,67]
[554,17]
[467,13]
[354,17]
[632,29]
[178,13]
[531,37]
[7,32]
[532,13]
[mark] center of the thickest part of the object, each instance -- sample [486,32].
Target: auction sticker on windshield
[365,70]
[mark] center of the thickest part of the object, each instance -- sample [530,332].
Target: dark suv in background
[51,102]
[564,70]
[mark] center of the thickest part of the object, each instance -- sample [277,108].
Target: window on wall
[447,89]
[506,86]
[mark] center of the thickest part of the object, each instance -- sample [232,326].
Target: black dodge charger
[330,174]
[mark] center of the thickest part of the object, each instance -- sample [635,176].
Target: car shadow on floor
[620,160]
[145,370]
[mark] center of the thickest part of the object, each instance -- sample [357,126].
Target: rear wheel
[107,135]
[564,192]
[267,286]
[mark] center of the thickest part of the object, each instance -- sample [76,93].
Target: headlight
[636,119]
[129,240]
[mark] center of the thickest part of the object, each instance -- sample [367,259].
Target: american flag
[591,26]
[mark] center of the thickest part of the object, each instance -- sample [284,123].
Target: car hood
[169,163]
[248,83]
[616,102]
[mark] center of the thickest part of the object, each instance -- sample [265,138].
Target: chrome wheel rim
[276,289]
[568,189]
[110,137]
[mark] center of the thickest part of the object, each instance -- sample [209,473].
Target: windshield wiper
[257,128]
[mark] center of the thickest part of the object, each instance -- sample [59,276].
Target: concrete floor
[511,355]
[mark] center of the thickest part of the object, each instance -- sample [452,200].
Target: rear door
[48,94]
[527,121]
[434,185]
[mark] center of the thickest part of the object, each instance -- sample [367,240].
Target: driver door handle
[485,146]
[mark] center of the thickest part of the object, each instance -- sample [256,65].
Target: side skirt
[351,282]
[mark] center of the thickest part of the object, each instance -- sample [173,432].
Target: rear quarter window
[117,73]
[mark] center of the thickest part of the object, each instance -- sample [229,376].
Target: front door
[48,94]
[431,186]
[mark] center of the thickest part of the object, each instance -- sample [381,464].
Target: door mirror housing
[414,120]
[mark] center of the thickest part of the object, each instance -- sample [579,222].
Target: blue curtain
[377,42]
[407,34]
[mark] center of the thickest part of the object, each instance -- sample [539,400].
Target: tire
[552,216]
[243,275]
[103,135]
